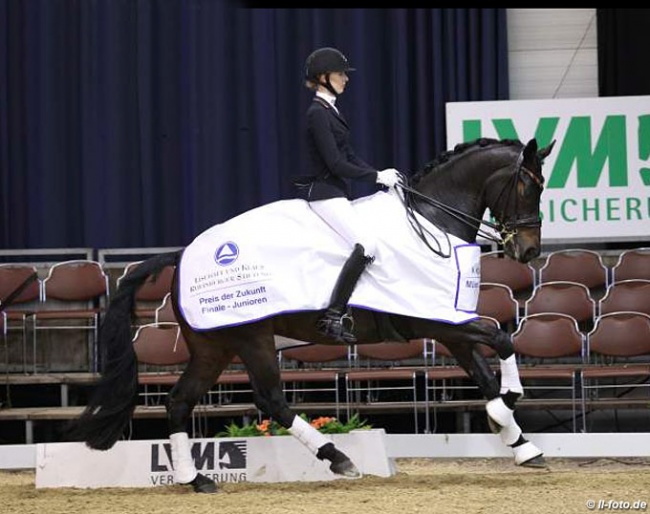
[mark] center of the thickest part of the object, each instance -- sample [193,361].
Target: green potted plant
[267,427]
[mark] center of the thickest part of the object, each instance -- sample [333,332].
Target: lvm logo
[578,145]
[221,461]
[599,171]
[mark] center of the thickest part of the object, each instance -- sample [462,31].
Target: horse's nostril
[530,253]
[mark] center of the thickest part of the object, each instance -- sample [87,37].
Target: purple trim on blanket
[458,277]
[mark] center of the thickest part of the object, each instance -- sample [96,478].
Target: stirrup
[333,325]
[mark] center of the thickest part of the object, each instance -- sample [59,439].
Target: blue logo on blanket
[226,254]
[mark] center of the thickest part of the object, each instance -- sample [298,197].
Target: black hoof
[202,484]
[345,468]
[340,463]
[535,462]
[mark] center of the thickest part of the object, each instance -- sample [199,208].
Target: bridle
[506,229]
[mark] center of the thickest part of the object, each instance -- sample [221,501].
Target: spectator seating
[632,264]
[626,295]
[159,345]
[19,293]
[150,294]
[384,376]
[497,268]
[565,297]
[73,295]
[619,370]
[314,372]
[576,265]
[497,301]
[550,350]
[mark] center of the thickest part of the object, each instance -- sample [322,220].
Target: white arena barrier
[246,459]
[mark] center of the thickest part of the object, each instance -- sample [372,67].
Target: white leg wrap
[510,433]
[510,376]
[307,435]
[499,412]
[182,460]
[525,452]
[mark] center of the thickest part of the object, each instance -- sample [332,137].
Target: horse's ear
[530,150]
[544,152]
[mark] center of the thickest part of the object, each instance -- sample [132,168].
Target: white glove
[388,177]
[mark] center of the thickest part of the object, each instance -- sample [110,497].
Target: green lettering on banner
[570,210]
[505,129]
[644,146]
[543,133]
[612,209]
[586,209]
[471,130]
[563,211]
[576,147]
[633,205]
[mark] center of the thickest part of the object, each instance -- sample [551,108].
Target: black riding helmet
[325,61]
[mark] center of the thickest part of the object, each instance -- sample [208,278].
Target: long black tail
[111,406]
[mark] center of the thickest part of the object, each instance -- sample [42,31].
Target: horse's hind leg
[208,360]
[501,400]
[255,345]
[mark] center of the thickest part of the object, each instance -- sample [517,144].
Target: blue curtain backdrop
[129,123]
[623,42]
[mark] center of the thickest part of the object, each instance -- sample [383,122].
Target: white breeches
[339,214]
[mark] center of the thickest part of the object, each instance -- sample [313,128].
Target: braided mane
[459,149]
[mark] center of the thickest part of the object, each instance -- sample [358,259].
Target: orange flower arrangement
[318,423]
[267,427]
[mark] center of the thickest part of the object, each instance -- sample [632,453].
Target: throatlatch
[333,323]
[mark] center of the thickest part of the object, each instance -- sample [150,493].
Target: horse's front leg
[501,408]
[501,399]
[259,356]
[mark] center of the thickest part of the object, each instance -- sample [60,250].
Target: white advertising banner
[598,174]
[244,459]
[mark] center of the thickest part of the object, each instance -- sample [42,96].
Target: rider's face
[339,79]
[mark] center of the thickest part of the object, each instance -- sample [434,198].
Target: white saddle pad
[282,258]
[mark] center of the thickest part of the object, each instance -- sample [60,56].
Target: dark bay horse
[453,192]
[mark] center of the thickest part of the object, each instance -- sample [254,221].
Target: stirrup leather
[334,324]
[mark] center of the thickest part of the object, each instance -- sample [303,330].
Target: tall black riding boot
[332,323]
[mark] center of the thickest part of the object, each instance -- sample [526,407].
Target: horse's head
[513,196]
[454,190]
